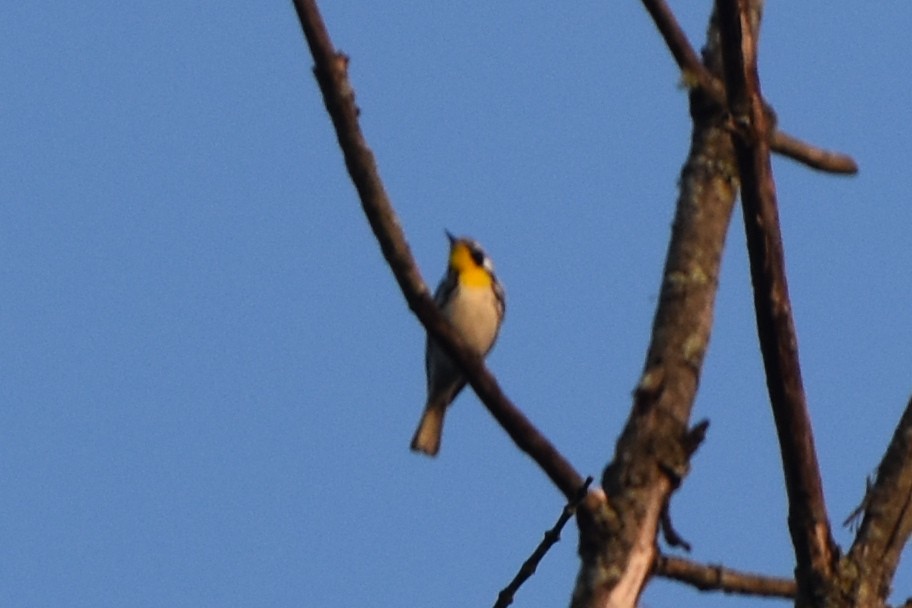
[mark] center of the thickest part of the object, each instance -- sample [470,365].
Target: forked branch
[695,74]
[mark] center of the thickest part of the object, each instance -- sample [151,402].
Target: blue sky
[209,379]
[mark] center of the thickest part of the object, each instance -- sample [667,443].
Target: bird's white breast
[475,312]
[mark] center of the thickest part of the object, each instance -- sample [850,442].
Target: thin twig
[695,74]
[671,536]
[692,441]
[719,578]
[505,597]
[853,521]
[815,550]
[332,75]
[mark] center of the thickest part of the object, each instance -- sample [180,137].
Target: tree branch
[505,597]
[618,542]
[331,74]
[696,74]
[718,578]
[815,550]
[812,156]
[692,68]
[887,522]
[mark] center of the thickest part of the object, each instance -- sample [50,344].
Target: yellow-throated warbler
[471,298]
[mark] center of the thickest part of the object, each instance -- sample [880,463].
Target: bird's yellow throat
[470,273]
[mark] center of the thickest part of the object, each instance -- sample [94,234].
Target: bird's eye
[478,256]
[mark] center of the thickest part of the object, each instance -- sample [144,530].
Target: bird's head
[469,261]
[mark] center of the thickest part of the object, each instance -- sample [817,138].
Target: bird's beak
[451,237]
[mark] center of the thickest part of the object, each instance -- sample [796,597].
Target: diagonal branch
[684,54]
[652,456]
[331,74]
[695,73]
[815,550]
[718,578]
[887,522]
[552,536]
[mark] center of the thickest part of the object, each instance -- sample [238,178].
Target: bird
[473,300]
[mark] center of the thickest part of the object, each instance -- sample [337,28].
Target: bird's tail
[430,429]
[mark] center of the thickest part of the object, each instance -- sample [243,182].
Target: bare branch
[331,73]
[809,526]
[617,543]
[887,521]
[812,156]
[505,597]
[695,74]
[693,70]
[718,578]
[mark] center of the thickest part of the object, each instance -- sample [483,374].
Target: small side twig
[671,536]
[505,597]
[718,578]
[812,156]
[853,521]
[692,441]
